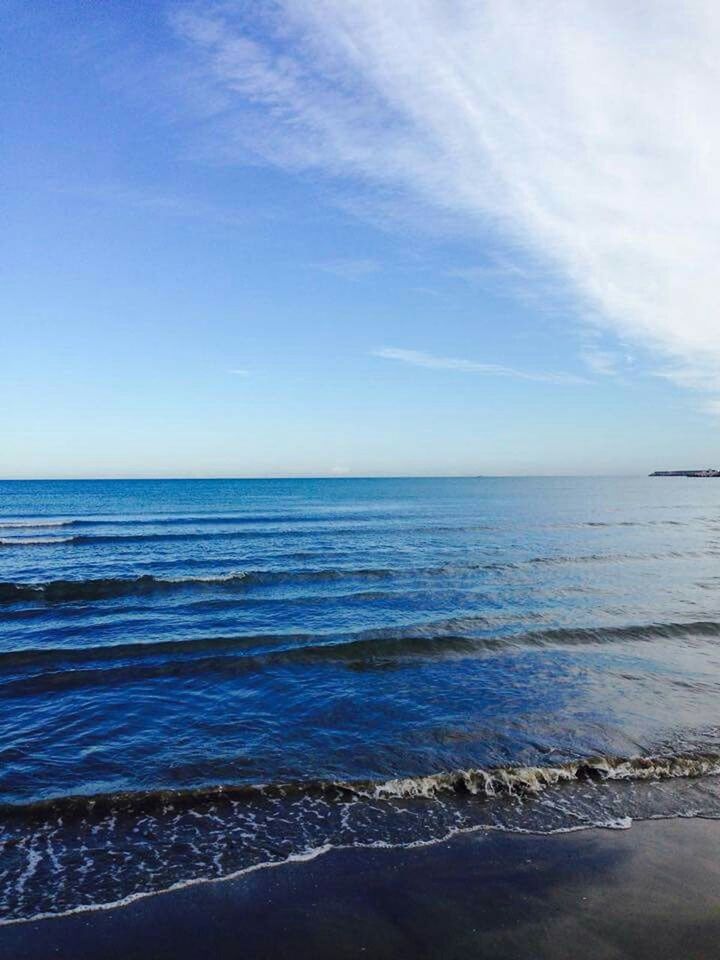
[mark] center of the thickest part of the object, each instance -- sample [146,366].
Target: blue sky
[332,238]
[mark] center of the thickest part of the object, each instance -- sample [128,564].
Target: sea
[200,678]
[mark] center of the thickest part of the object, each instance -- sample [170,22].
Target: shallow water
[353,645]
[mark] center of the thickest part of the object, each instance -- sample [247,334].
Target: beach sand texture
[649,892]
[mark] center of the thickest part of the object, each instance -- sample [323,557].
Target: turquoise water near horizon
[200,676]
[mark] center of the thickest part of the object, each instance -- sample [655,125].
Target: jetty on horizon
[686,473]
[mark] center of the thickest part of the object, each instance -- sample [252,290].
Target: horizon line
[328,476]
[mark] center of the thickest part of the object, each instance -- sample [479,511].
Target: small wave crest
[208,519]
[69,667]
[58,591]
[37,523]
[33,541]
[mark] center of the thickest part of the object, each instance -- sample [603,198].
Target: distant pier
[686,473]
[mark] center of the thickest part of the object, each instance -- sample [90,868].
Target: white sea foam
[308,855]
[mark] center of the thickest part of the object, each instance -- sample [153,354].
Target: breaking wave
[531,781]
[489,783]
[60,855]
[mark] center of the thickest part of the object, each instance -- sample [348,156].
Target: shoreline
[651,890]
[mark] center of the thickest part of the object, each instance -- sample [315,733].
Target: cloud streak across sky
[586,133]
[418,358]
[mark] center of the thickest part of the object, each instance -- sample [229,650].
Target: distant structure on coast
[686,473]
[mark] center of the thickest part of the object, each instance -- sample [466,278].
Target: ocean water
[199,678]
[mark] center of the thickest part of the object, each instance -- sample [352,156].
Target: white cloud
[586,132]
[419,359]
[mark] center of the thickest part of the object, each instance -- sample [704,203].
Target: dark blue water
[201,676]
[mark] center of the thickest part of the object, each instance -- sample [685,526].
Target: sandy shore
[649,892]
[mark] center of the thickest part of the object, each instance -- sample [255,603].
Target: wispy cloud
[492,272]
[603,362]
[144,199]
[348,268]
[419,359]
[585,132]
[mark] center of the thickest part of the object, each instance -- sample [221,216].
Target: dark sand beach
[649,892]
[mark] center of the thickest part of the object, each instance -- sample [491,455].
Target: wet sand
[649,892]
